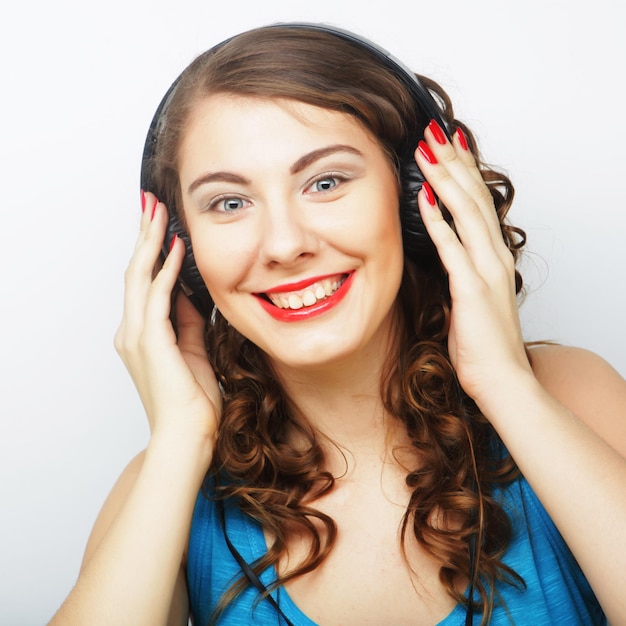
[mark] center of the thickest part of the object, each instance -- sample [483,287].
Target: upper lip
[302,284]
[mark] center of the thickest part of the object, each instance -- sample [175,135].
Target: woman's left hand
[564,430]
[485,339]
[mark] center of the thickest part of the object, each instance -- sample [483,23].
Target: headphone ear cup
[190,280]
[418,246]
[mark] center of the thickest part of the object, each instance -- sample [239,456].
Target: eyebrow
[302,163]
[211,177]
[306,160]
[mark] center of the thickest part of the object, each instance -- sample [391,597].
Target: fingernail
[426,152]
[143,200]
[173,242]
[437,132]
[154,208]
[428,193]
[462,139]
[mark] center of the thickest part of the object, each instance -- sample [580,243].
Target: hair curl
[462,455]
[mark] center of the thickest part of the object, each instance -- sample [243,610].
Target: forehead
[226,126]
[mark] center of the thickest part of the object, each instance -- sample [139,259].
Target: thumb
[190,326]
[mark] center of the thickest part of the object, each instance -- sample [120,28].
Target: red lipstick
[301,284]
[306,312]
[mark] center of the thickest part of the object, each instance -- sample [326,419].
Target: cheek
[386,241]
[222,260]
[370,220]
[384,231]
[390,229]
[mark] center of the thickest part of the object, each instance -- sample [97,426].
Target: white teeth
[295,302]
[309,297]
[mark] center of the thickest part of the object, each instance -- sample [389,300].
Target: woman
[348,412]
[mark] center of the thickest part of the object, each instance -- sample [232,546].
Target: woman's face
[293,215]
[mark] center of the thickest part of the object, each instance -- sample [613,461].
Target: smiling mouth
[312,294]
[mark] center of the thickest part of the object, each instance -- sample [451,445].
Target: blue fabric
[556,591]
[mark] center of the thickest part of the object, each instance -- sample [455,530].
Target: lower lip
[307,312]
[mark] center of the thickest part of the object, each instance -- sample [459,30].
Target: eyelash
[213,205]
[338,178]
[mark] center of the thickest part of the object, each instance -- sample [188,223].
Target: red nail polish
[156,202]
[437,132]
[428,193]
[462,139]
[426,152]
[143,200]
[173,242]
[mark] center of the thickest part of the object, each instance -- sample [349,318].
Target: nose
[286,234]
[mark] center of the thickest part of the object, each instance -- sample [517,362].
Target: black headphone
[417,244]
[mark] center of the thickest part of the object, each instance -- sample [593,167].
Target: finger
[459,141]
[468,201]
[469,221]
[466,272]
[461,145]
[147,338]
[191,341]
[452,252]
[140,271]
[465,156]
[158,301]
[190,325]
[148,209]
[459,173]
[455,154]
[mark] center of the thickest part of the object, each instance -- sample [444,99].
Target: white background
[540,82]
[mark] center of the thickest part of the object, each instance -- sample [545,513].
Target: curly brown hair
[463,459]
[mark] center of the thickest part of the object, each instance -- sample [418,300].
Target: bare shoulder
[588,385]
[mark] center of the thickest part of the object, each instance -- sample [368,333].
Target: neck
[342,402]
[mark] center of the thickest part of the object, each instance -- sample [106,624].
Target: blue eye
[227,204]
[325,184]
[232,204]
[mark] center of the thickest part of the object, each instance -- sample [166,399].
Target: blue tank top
[556,591]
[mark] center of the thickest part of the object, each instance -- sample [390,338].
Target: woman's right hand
[132,566]
[173,376]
